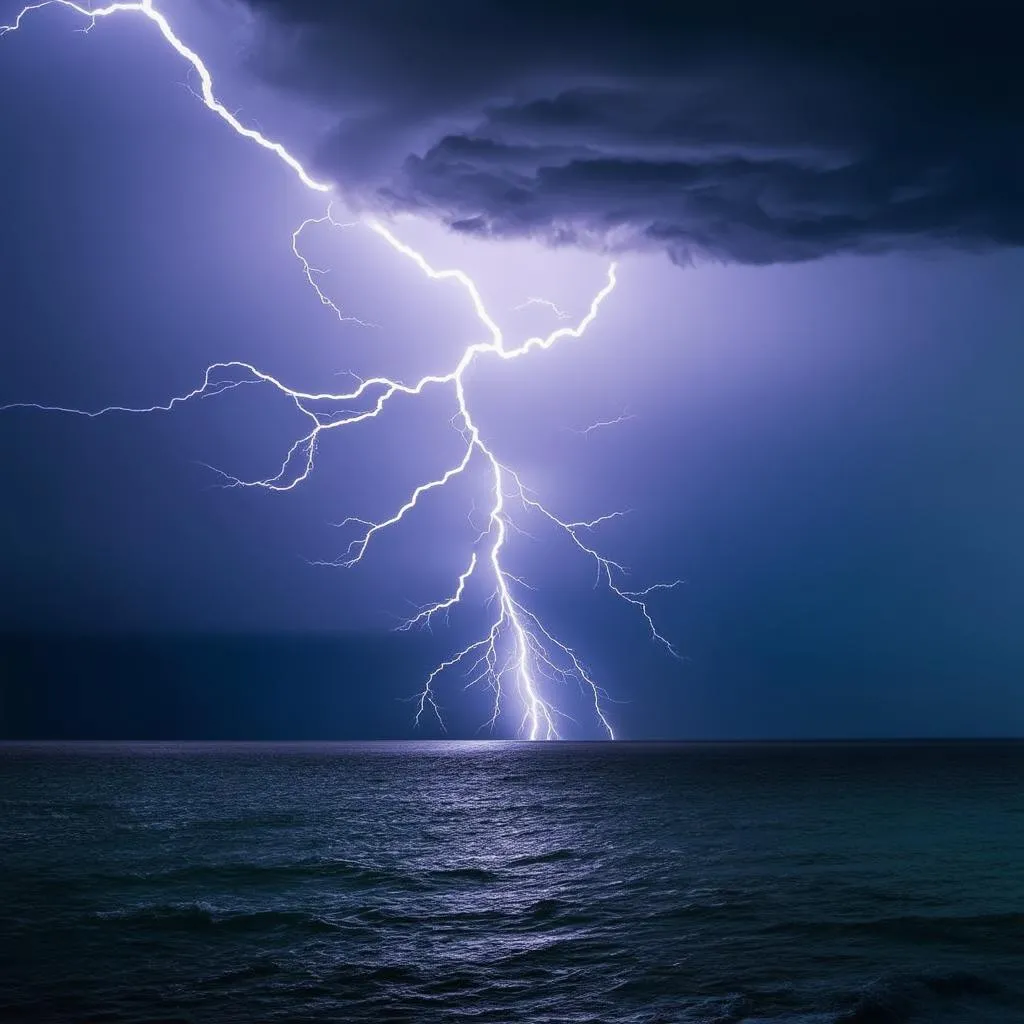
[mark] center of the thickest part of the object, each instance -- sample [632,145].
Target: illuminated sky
[825,451]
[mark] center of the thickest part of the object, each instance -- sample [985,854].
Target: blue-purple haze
[826,451]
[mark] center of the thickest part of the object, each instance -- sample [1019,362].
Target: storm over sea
[506,882]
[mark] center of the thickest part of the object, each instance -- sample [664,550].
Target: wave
[916,927]
[466,874]
[240,823]
[257,970]
[198,917]
[246,873]
[546,909]
[905,998]
[543,858]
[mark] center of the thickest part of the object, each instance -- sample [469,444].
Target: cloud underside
[749,133]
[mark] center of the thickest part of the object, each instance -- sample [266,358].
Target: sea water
[513,882]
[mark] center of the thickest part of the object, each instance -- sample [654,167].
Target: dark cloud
[745,131]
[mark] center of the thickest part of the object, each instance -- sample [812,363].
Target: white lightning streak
[587,431]
[517,650]
[546,303]
[146,8]
[314,274]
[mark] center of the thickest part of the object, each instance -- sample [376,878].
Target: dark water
[513,883]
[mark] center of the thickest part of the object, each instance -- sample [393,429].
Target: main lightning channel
[517,651]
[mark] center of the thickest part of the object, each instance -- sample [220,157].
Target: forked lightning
[516,652]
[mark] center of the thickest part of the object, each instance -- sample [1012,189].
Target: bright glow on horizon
[517,651]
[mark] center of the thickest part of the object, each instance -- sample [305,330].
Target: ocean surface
[504,882]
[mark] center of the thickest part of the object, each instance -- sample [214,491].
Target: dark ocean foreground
[498,882]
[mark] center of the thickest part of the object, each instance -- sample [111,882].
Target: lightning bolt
[517,652]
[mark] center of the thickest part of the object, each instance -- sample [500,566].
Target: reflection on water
[513,882]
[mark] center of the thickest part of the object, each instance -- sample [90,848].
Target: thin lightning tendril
[546,303]
[314,274]
[587,431]
[517,651]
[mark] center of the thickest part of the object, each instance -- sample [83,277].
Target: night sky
[818,338]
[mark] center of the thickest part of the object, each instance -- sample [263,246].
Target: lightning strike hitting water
[517,651]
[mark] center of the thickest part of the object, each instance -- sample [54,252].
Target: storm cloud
[754,133]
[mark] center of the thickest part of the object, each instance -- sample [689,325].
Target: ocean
[513,883]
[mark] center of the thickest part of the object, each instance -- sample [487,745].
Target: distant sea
[513,883]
